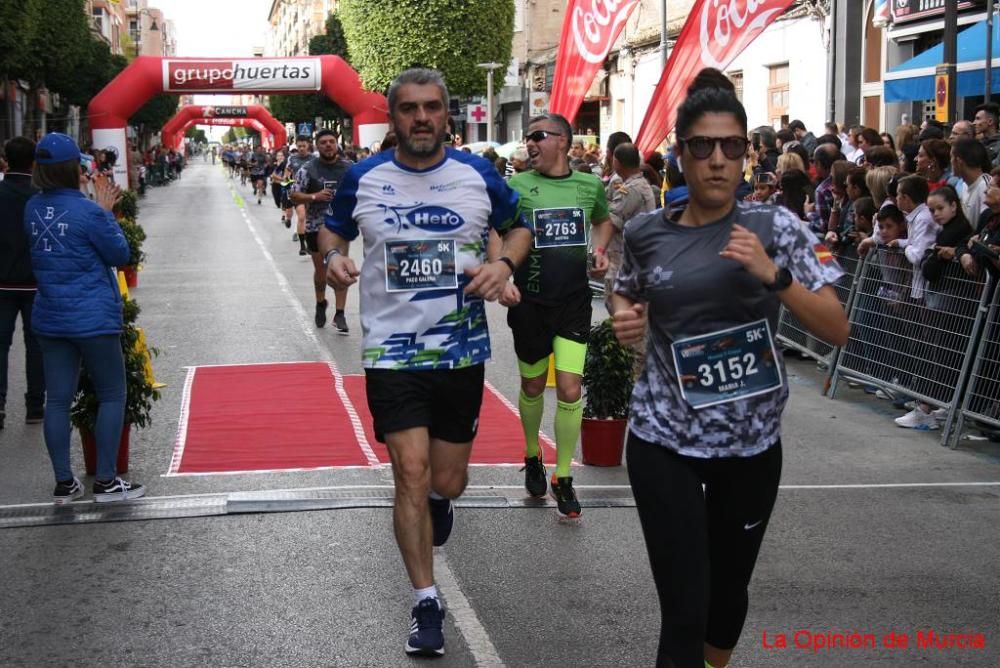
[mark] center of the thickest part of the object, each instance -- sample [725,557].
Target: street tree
[153,115]
[306,107]
[385,38]
[196,134]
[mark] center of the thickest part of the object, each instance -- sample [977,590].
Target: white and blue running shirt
[451,205]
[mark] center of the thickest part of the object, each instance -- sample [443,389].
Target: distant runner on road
[315,184]
[424,213]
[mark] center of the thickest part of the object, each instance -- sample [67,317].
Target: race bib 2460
[412,265]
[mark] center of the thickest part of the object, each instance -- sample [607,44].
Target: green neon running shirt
[553,204]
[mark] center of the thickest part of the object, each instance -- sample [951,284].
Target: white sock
[426,592]
[437,497]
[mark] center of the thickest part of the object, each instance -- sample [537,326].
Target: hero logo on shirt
[422,216]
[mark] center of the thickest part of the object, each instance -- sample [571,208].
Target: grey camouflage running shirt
[690,290]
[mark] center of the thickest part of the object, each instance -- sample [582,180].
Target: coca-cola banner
[715,32]
[589,29]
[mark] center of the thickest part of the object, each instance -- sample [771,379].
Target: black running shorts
[446,401]
[535,325]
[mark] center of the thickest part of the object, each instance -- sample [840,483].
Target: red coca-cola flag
[715,32]
[589,29]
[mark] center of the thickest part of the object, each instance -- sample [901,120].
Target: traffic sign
[941,100]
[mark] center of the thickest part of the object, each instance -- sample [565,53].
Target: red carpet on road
[286,417]
[264,417]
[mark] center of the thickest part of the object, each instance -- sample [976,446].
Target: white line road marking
[182,423]
[352,414]
[466,620]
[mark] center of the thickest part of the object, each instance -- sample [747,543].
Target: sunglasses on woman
[700,148]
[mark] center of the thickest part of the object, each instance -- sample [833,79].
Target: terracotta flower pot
[131,276]
[603,441]
[90,450]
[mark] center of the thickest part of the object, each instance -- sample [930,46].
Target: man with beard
[315,185]
[565,207]
[424,212]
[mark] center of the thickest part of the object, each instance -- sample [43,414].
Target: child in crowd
[946,313]
[765,185]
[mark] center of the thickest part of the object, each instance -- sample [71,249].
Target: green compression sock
[531,409]
[569,417]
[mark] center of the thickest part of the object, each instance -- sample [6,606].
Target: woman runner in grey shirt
[706,410]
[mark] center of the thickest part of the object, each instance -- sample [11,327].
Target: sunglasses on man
[539,135]
[700,148]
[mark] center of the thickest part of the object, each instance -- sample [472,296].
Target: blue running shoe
[442,519]
[426,629]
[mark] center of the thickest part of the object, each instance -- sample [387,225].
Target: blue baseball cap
[56,147]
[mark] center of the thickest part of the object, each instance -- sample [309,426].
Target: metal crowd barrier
[791,333]
[981,401]
[918,343]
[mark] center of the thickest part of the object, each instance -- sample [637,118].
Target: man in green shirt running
[550,298]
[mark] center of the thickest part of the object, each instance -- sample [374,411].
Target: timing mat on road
[300,416]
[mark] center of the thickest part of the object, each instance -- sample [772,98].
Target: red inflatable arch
[267,139]
[171,138]
[147,76]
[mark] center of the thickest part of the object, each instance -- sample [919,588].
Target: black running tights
[702,545]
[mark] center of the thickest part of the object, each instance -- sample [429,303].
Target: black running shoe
[66,491]
[35,416]
[303,251]
[117,490]
[426,629]
[321,314]
[442,519]
[340,322]
[562,492]
[535,476]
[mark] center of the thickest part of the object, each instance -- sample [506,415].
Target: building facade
[782,75]
[293,23]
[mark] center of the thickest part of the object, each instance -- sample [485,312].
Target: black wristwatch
[782,280]
[507,261]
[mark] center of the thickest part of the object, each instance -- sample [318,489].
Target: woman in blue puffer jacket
[75,246]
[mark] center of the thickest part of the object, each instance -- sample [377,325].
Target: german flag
[823,253]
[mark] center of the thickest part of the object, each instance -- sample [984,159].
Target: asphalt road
[876,530]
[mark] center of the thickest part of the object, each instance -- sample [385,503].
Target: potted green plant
[127,208]
[140,393]
[127,211]
[607,383]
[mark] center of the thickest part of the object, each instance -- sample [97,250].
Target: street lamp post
[152,28]
[489,67]
[663,34]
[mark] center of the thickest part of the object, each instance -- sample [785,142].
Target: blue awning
[914,79]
